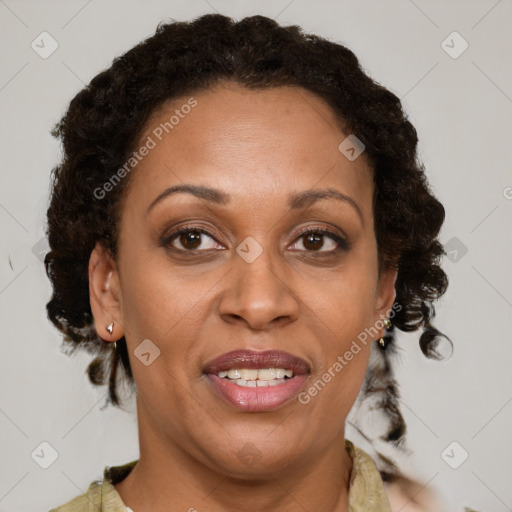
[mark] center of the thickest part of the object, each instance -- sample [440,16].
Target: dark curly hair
[101,127]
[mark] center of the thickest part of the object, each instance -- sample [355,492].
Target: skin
[258,147]
[410,496]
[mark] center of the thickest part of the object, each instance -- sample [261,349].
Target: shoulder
[84,502]
[404,492]
[101,496]
[366,489]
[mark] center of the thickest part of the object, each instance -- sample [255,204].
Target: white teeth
[266,383]
[257,383]
[249,374]
[256,377]
[268,373]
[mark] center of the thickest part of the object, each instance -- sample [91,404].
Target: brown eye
[314,240]
[189,239]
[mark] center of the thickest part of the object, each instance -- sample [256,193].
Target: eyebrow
[295,201]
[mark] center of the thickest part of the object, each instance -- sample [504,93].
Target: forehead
[264,143]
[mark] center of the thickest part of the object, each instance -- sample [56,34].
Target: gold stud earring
[110,327]
[383,342]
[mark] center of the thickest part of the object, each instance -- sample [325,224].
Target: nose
[260,293]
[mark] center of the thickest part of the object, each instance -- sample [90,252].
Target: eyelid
[340,238]
[167,238]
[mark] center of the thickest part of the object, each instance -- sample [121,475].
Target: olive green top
[366,490]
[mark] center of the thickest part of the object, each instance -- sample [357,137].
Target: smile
[257,381]
[252,378]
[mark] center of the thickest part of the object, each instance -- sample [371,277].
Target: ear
[386,294]
[104,293]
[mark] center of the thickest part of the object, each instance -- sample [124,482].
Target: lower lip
[257,399]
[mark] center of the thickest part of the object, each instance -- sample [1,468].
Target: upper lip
[251,359]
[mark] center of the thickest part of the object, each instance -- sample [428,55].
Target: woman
[238,222]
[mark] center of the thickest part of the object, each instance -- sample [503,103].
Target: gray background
[461,108]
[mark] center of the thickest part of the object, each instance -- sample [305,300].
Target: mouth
[257,381]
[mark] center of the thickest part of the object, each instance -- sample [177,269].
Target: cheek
[334,387]
[345,299]
[345,312]
[159,300]
[167,306]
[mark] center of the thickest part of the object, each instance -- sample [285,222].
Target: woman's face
[244,277]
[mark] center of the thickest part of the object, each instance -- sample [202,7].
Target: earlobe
[104,294]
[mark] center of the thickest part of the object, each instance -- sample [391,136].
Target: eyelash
[343,244]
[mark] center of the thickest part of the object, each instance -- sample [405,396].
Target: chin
[255,458]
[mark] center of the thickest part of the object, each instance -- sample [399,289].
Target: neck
[167,474]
